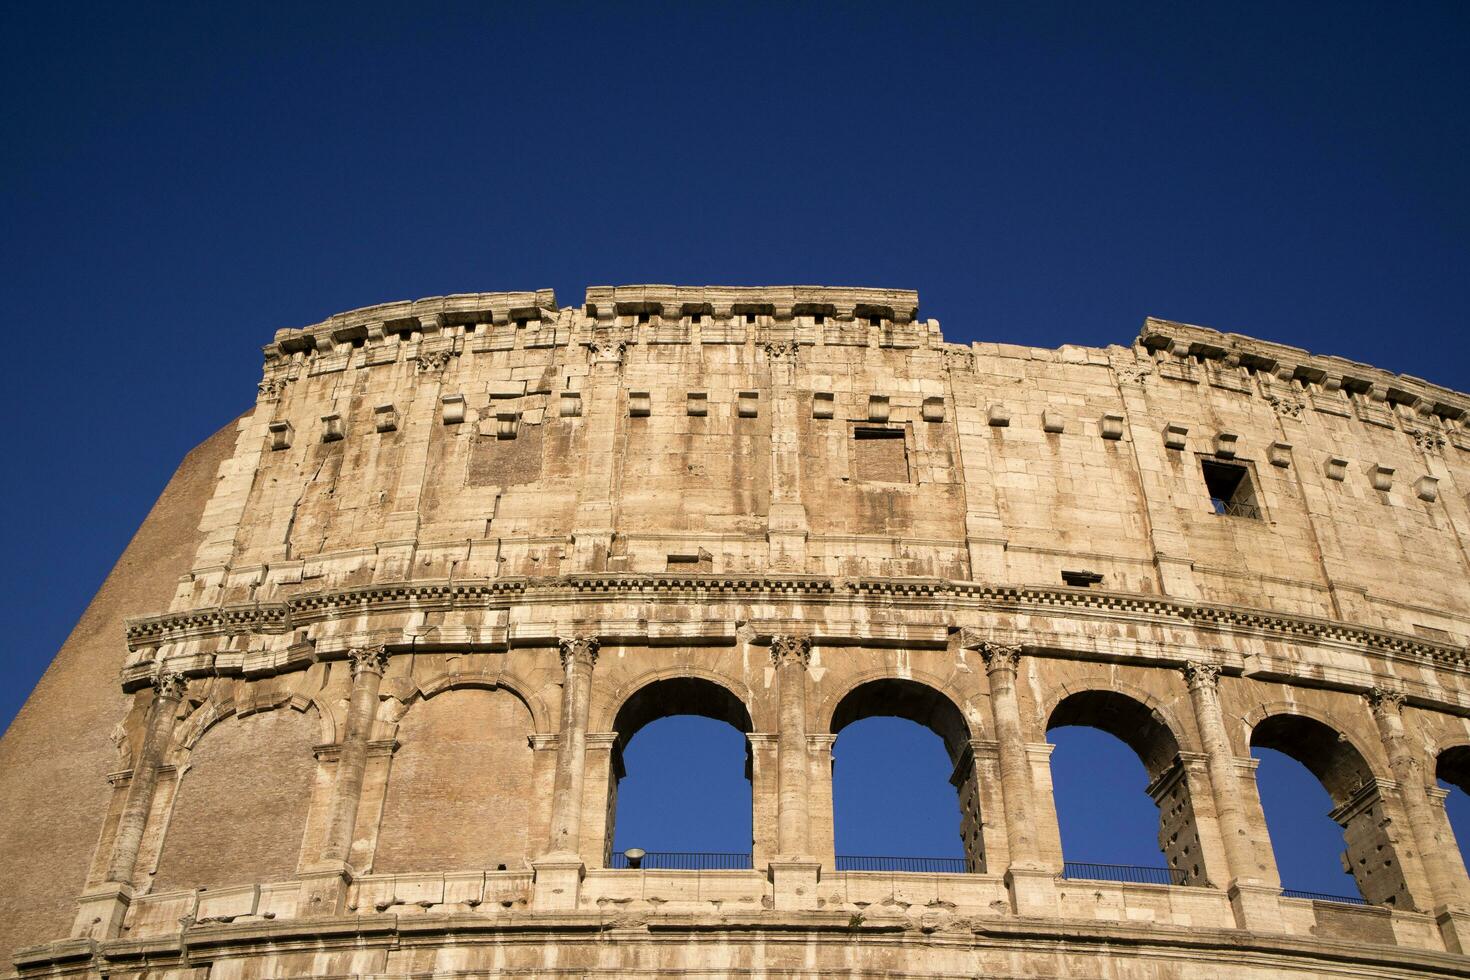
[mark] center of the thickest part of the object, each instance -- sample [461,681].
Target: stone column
[368,665]
[1444,892]
[168,691]
[794,872]
[101,910]
[1032,885]
[1253,899]
[559,872]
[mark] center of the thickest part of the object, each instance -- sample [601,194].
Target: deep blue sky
[178,182]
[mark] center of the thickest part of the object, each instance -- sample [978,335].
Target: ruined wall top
[1289,363]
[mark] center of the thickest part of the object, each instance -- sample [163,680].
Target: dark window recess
[879,455]
[696,561]
[1230,489]
[1083,579]
[750,318]
[643,318]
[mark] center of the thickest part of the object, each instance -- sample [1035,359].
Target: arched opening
[1106,740]
[679,789]
[239,811]
[1452,770]
[904,786]
[459,786]
[1301,839]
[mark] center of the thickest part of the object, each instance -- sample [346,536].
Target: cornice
[1293,363]
[275,618]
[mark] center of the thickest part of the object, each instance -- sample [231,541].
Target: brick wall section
[460,794]
[241,807]
[55,756]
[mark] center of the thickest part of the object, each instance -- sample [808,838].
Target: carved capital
[1000,656]
[373,660]
[791,648]
[606,351]
[579,651]
[1201,675]
[778,350]
[270,389]
[170,685]
[1384,700]
[432,361]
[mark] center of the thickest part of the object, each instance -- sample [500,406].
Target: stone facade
[354,701]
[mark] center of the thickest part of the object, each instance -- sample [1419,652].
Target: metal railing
[914,865]
[1323,897]
[1227,508]
[1132,874]
[686,861]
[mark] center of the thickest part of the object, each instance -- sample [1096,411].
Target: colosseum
[353,702]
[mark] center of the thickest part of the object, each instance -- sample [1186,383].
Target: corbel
[281,433]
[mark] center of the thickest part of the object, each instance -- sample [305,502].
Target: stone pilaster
[559,873]
[1032,885]
[823,834]
[168,691]
[786,517]
[324,885]
[1252,896]
[1445,893]
[101,911]
[794,871]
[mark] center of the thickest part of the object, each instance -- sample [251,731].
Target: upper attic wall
[829,431]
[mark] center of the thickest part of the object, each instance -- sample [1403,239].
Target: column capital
[579,650]
[1201,675]
[1384,700]
[369,659]
[170,685]
[1000,656]
[791,648]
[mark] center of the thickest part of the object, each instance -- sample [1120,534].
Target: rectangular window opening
[1230,489]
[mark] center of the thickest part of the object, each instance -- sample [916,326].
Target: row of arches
[463,788]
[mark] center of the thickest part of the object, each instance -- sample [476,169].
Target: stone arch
[211,711]
[510,682]
[1354,788]
[1141,722]
[240,797]
[1452,761]
[1163,712]
[664,694]
[1132,716]
[974,721]
[606,710]
[460,785]
[929,705]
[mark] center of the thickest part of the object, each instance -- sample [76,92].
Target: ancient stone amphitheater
[354,700]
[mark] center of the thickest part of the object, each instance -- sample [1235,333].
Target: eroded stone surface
[464,547]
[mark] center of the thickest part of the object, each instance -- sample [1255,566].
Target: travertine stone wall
[464,548]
